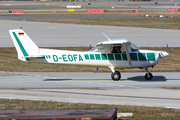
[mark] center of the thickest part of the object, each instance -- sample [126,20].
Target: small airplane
[119,53]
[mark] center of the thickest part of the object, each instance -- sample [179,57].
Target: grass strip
[175,88]
[139,112]
[10,62]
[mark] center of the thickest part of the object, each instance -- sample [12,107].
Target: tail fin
[24,45]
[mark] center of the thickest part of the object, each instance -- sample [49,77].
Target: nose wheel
[148,75]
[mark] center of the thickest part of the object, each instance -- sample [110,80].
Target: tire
[148,77]
[116,76]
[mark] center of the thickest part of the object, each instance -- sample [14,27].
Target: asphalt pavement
[85,80]
[46,34]
[98,88]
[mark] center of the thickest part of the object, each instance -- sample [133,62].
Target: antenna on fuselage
[106,36]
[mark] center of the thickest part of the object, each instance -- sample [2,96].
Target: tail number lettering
[68,58]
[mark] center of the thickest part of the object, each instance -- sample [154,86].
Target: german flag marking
[21,34]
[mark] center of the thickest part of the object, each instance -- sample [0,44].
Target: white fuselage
[119,53]
[139,59]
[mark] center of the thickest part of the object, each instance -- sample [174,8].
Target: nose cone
[163,54]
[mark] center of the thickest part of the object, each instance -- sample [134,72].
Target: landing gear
[148,75]
[116,76]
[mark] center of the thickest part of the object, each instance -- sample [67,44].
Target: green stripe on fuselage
[97,56]
[118,56]
[92,56]
[86,56]
[110,56]
[142,56]
[20,45]
[124,56]
[103,56]
[133,56]
[121,56]
[151,56]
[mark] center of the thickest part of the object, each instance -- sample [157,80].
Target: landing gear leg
[148,75]
[116,75]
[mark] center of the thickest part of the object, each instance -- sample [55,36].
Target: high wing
[106,46]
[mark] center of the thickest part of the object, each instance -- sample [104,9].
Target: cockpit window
[118,49]
[97,49]
[133,47]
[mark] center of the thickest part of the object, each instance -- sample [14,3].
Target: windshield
[133,47]
[97,49]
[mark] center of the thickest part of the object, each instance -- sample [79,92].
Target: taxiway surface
[85,79]
[59,35]
[133,89]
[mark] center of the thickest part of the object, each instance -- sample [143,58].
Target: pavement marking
[120,85]
[55,27]
[29,74]
[118,31]
[109,84]
[90,82]
[22,73]
[37,75]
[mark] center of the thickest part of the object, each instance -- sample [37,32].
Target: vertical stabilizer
[24,45]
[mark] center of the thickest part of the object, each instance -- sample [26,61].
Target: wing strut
[127,52]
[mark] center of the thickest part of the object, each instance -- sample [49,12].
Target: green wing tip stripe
[21,46]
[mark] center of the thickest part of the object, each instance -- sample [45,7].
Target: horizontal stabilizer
[33,57]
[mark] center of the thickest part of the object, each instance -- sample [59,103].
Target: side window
[116,49]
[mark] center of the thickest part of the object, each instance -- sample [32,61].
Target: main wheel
[116,76]
[148,76]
